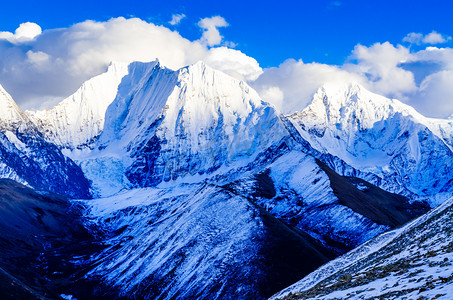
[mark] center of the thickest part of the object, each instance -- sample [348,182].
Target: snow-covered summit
[186,122]
[27,158]
[351,107]
[10,113]
[381,136]
[79,119]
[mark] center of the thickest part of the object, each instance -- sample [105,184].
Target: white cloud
[52,64]
[382,68]
[234,62]
[435,38]
[413,38]
[211,35]
[24,33]
[297,82]
[176,19]
[430,38]
[435,97]
[37,58]
[274,95]
[380,64]
[56,62]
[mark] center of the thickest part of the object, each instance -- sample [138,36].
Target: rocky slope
[26,157]
[412,262]
[43,243]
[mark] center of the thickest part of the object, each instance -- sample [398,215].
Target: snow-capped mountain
[79,119]
[208,191]
[380,136]
[408,263]
[165,125]
[27,158]
[210,153]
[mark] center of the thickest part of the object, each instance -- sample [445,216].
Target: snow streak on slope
[167,234]
[411,262]
[79,119]
[195,242]
[27,158]
[382,136]
[304,198]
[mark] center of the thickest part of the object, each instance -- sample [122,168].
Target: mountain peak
[79,118]
[10,112]
[352,105]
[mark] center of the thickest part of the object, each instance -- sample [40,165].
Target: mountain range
[187,184]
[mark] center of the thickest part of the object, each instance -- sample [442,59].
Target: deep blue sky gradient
[270,31]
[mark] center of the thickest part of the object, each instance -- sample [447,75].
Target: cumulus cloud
[234,63]
[176,19]
[274,95]
[24,33]
[296,82]
[211,35]
[435,97]
[430,38]
[55,62]
[383,68]
[435,38]
[39,68]
[380,64]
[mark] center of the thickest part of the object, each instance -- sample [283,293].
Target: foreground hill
[412,262]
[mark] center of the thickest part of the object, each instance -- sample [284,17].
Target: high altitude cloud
[382,68]
[54,63]
[430,38]
[44,67]
[24,33]
[211,35]
[291,85]
[176,19]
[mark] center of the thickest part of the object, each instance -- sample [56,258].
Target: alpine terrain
[185,184]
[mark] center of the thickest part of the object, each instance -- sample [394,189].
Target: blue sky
[269,31]
[286,50]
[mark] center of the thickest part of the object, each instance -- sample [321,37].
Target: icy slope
[381,136]
[26,157]
[79,119]
[167,127]
[340,212]
[196,242]
[408,263]
[217,238]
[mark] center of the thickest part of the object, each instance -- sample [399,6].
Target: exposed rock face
[26,157]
